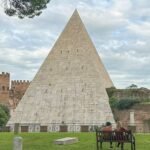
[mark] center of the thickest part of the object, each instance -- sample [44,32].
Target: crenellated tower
[4,88]
[20,85]
[11,95]
[18,88]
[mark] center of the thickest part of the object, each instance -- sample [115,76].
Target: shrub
[113,102]
[6,109]
[126,104]
[4,115]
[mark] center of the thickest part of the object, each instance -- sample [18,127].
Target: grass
[44,141]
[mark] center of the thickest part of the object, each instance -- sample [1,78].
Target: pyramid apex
[75,13]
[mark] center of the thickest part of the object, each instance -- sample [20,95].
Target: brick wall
[11,95]
[4,88]
[18,88]
[142,117]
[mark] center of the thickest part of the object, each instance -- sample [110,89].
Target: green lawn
[44,141]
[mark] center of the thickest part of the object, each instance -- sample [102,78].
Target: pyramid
[68,92]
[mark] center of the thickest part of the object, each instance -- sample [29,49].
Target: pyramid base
[53,127]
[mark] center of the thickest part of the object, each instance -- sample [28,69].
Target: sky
[119,29]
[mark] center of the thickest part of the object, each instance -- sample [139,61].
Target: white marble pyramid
[70,87]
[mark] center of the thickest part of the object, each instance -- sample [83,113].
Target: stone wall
[141,94]
[141,117]
[10,95]
[18,88]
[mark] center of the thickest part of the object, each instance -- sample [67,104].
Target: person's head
[119,124]
[108,123]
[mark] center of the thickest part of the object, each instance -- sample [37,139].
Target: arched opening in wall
[84,128]
[63,128]
[24,128]
[43,129]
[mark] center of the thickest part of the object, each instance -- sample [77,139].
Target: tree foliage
[113,102]
[111,91]
[6,109]
[25,8]
[4,115]
[122,103]
[132,86]
[126,104]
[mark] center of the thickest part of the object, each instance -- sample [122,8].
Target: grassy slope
[44,141]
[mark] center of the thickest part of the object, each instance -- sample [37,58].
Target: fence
[57,127]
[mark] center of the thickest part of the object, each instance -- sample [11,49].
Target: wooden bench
[115,136]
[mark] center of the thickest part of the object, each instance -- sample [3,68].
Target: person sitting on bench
[120,128]
[108,127]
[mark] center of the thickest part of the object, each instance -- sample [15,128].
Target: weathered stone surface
[140,94]
[132,119]
[67,140]
[16,128]
[17,143]
[141,117]
[70,87]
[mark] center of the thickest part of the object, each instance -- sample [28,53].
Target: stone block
[17,143]
[16,128]
[67,140]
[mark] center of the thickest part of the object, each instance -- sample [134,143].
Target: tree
[4,115]
[24,8]
[6,109]
[132,86]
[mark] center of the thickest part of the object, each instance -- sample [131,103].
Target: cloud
[142,29]
[21,62]
[120,31]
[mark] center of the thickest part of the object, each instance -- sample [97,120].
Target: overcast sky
[119,29]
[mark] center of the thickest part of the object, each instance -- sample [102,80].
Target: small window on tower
[3,88]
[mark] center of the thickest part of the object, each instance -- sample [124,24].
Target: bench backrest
[125,136]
